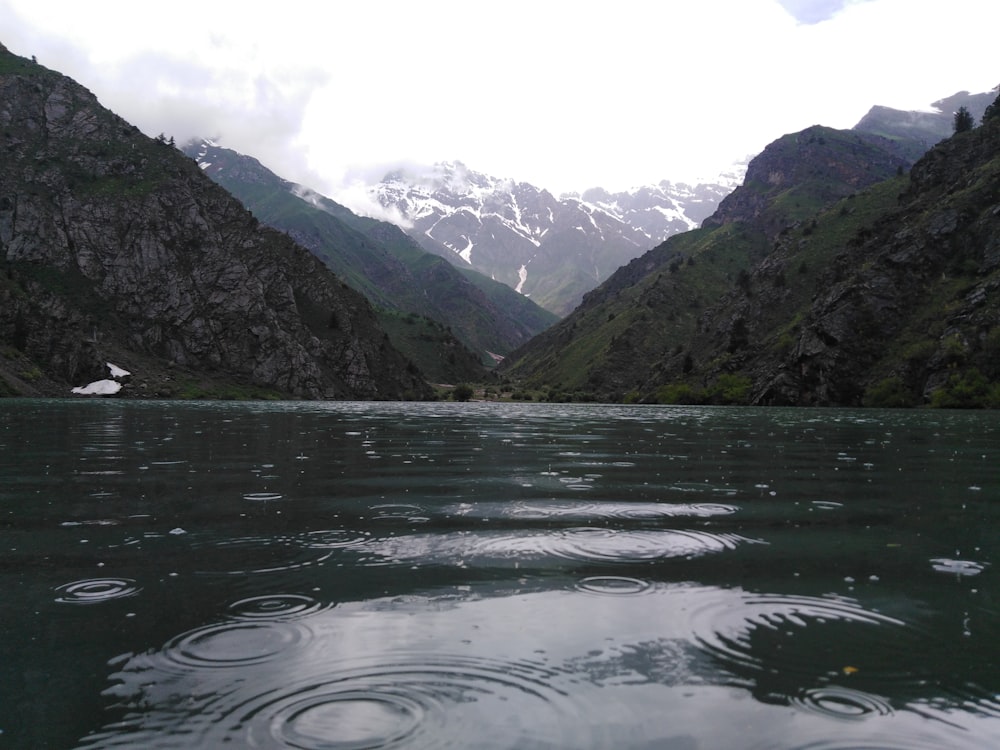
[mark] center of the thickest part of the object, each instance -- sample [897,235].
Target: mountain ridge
[551,249]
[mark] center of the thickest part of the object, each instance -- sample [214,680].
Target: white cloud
[566,95]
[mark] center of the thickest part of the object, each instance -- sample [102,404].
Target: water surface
[302,575]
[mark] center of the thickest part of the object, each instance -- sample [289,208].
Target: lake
[444,575]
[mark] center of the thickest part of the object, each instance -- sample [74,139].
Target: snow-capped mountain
[386,265]
[551,249]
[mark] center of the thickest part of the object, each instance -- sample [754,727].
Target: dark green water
[329,576]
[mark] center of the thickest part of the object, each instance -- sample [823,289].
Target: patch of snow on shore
[98,388]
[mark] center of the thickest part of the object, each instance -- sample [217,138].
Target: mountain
[831,277]
[115,247]
[432,298]
[550,249]
[917,131]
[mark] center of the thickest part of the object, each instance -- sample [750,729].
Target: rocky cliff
[115,247]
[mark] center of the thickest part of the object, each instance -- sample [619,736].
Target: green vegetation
[462,392]
[890,393]
[841,279]
[967,390]
[198,389]
[432,348]
[727,389]
[20,66]
[964,121]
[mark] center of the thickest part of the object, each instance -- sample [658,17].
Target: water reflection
[547,576]
[582,544]
[537,667]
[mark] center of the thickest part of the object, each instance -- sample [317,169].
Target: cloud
[564,95]
[814,11]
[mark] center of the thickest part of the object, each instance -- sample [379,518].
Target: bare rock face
[115,246]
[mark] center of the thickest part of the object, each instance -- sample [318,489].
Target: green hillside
[832,277]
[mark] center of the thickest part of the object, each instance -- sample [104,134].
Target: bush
[729,389]
[968,390]
[889,393]
[677,393]
[462,392]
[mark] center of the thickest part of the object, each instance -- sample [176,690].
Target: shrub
[462,392]
[968,390]
[889,393]
[677,393]
[729,389]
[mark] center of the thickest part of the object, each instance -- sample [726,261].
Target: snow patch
[103,387]
[466,254]
[117,372]
[522,274]
[98,388]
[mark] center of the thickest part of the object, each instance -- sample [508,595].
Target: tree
[462,392]
[963,120]
[993,110]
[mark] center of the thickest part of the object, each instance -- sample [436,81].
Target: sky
[566,95]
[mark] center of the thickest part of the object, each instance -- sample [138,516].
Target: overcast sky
[565,95]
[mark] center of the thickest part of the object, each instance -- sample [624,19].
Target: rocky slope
[831,277]
[115,247]
[551,249]
[907,310]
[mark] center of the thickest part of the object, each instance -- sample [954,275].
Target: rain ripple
[592,511]
[96,590]
[275,606]
[234,644]
[415,700]
[577,544]
[957,567]
[788,629]
[250,555]
[842,703]
[613,585]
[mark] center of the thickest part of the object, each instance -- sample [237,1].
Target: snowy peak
[552,249]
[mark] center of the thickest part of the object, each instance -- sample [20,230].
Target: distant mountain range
[550,249]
